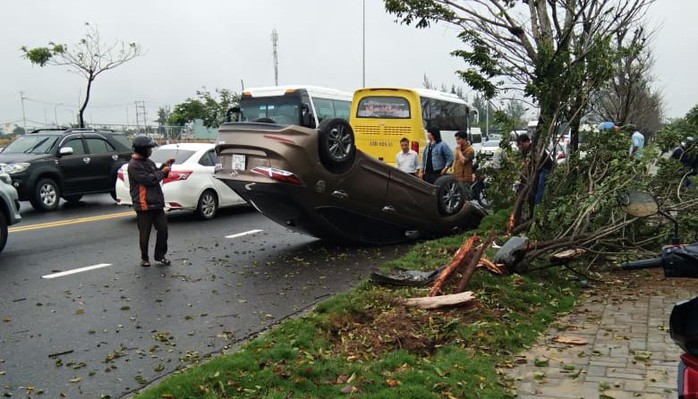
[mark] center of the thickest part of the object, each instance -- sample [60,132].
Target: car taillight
[177,175]
[277,174]
[120,174]
[561,155]
[415,146]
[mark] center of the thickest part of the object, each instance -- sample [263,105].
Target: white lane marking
[246,233]
[82,269]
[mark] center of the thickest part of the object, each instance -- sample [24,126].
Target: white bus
[293,105]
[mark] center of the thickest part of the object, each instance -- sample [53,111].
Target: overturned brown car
[316,182]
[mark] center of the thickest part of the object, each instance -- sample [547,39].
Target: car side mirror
[65,151]
[307,119]
[638,203]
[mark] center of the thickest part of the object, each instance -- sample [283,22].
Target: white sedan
[190,184]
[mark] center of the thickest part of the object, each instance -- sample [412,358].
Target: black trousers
[146,221]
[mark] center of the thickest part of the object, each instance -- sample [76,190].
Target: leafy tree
[163,115]
[211,110]
[553,51]
[88,58]
[18,130]
[628,97]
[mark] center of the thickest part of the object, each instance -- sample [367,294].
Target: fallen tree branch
[455,263]
[441,300]
[470,269]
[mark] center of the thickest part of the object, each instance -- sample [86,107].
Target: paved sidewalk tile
[628,351]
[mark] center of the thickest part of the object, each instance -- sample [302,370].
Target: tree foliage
[89,58]
[556,52]
[210,108]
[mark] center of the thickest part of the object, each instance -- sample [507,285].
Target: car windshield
[491,143]
[161,155]
[31,144]
[282,110]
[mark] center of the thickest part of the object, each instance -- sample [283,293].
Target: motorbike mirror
[638,203]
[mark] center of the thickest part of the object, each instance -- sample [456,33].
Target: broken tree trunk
[472,265]
[441,300]
[455,263]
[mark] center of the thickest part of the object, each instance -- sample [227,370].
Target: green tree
[210,108]
[88,58]
[556,52]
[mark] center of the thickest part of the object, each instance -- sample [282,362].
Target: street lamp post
[55,115]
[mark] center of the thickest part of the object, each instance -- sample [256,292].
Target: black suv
[48,164]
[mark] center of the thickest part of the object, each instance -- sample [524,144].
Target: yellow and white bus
[381,116]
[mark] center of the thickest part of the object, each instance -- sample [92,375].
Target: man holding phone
[148,200]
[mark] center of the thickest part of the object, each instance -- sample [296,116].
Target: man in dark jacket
[148,200]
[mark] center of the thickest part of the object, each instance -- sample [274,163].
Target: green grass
[364,344]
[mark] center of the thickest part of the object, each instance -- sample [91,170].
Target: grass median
[365,343]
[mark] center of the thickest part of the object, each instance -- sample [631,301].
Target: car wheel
[208,205]
[73,198]
[46,195]
[3,231]
[336,145]
[449,194]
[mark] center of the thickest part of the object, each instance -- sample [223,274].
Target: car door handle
[388,209]
[86,159]
[341,194]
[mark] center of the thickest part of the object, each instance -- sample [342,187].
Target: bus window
[383,107]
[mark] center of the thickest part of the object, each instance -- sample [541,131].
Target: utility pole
[140,115]
[274,41]
[24,117]
[363,46]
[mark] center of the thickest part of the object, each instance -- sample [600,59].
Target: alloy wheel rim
[339,143]
[48,194]
[452,197]
[208,205]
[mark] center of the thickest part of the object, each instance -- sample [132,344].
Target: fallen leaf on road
[570,340]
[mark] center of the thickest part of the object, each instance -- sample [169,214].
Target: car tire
[3,231]
[46,196]
[207,208]
[73,198]
[449,194]
[336,145]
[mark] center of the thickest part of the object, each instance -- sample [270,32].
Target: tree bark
[472,265]
[458,259]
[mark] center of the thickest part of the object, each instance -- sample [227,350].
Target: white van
[293,105]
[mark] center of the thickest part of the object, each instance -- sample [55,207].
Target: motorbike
[677,260]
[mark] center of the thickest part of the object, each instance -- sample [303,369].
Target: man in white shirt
[407,160]
[638,142]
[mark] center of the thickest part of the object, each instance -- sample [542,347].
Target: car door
[226,196]
[410,200]
[75,168]
[103,158]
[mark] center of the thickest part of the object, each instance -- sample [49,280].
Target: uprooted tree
[558,53]
[88,58]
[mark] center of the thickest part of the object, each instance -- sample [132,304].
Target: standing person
[148,199]
[463,156]
[638,142]
[437,157]
[524,144]
[407,160]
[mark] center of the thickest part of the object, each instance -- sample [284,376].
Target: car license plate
[238,162]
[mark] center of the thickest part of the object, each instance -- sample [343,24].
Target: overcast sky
[222,43]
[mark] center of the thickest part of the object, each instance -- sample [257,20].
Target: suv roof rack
[71,130]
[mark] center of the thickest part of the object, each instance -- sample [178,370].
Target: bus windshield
[383,107]
[284,110]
